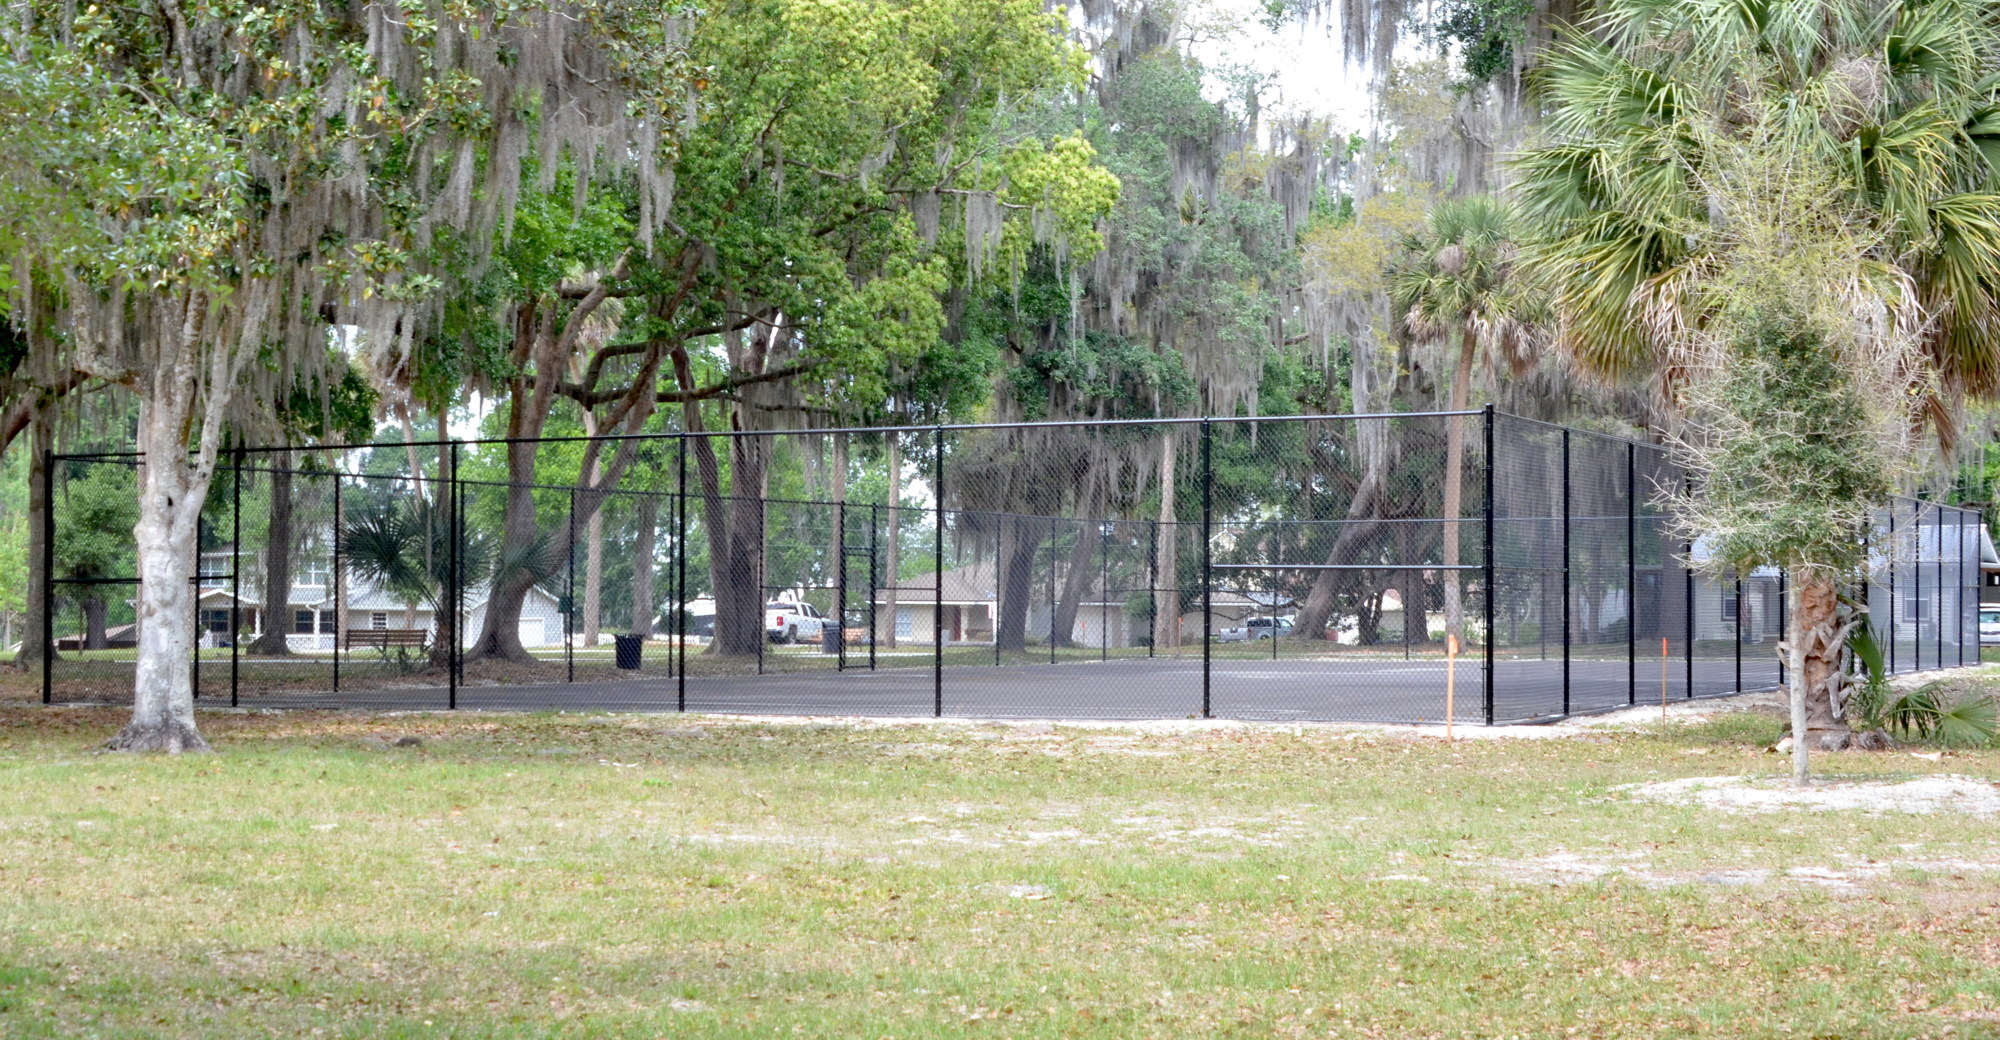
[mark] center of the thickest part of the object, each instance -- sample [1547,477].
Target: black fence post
[937,573]
[1207,568]
[236,572]
[455,531]
[48,636]
[569,594]
[1892,592]
[1687,611]
[840,577]
[1490,595]
[1736,630]
[1631,573]
[339,607]
[1565,567]
[874,592]
[681,613]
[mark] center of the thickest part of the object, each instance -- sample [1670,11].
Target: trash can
[628,651]
[829,639]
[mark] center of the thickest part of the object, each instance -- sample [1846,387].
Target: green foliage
[1793,470]
[1487,33]
[403,545]
[1934,711]
[1873,122]
[95,505]
[1457,274]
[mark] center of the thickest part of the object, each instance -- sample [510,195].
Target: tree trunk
[1416,620]
[36,641]
[1017,580]
[1368,619]
[1323,596]
[1795,648]
[1454,479]
[1818,615]
[1082,570]
[171,493]
[1167,589]
[278,562]
[593,577]
[737,545]
[892,560]
[642,565]
[837,549]
[94,637]
[500,633]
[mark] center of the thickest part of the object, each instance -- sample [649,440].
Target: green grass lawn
[652,876]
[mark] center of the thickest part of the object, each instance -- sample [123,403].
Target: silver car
[1989,626]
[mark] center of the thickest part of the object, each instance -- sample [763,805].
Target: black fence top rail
[816,431]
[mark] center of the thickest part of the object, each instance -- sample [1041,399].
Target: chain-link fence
[1372,568]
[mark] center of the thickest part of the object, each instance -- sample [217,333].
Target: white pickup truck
[790,621]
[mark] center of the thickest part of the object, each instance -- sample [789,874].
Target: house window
[215,620]
[313,575]
[906,623]
[1917,608]
[378,621]
[1730,605]
[303,621]
[326,618]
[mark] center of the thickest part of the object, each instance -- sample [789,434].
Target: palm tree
[1895,99]
[1456,285]
[1833,161]
[404,546]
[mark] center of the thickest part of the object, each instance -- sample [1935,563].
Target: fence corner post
[1207,565]
[1490,634]
[937,573]
[455,652]
[48,633]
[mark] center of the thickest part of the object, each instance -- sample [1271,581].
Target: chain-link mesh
[1272,568]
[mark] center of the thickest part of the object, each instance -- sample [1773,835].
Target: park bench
[387,639]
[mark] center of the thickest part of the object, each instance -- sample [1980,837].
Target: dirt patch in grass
[1848,876]
[1924,795]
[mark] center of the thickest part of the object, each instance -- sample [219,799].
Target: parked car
[790,621]
[1254,629]
[1989,625]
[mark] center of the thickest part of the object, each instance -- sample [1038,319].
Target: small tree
[1792,471]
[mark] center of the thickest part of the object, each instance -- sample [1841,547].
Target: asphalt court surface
[1298,689]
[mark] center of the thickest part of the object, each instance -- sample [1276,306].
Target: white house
[971,602]
[311,611]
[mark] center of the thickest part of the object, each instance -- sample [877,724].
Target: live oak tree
[850,161]
[210,184]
